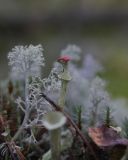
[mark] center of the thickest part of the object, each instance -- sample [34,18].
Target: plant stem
[55,145]
[56,134]
[108,118]
[61,101]
[79,118]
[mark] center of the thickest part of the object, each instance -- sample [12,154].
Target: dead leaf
[104,136]
[109,140]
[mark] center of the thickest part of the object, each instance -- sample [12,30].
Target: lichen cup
[53,121]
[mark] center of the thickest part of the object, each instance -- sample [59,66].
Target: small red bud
[64,59]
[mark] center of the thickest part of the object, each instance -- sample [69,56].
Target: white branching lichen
[38,107]
[52,82]
[98,93]
[26,59]
[98,99]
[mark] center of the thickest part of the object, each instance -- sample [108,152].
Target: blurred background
[99,27]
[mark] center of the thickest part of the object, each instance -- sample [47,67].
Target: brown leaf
[20,154]
[108,139]
[105,136]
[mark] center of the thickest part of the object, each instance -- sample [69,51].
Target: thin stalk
[56,134]
[55,145]
[61,101]
[79,118]
[64,83]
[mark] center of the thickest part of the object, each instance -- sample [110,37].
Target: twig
[14,151]
[71,122]
[10,150]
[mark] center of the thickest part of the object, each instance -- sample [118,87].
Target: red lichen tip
[64,59]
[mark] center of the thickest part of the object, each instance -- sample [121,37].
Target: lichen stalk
[56,134]
[61,101]
[55,143]
[65,78]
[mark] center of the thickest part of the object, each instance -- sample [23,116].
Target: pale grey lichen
[97,91]
[90,67]
[78,88]
[52,82]
[26,59]
[82,76]
[98,100]
[73,51]
[35,109]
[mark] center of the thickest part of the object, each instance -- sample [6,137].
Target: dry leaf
[109,139]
